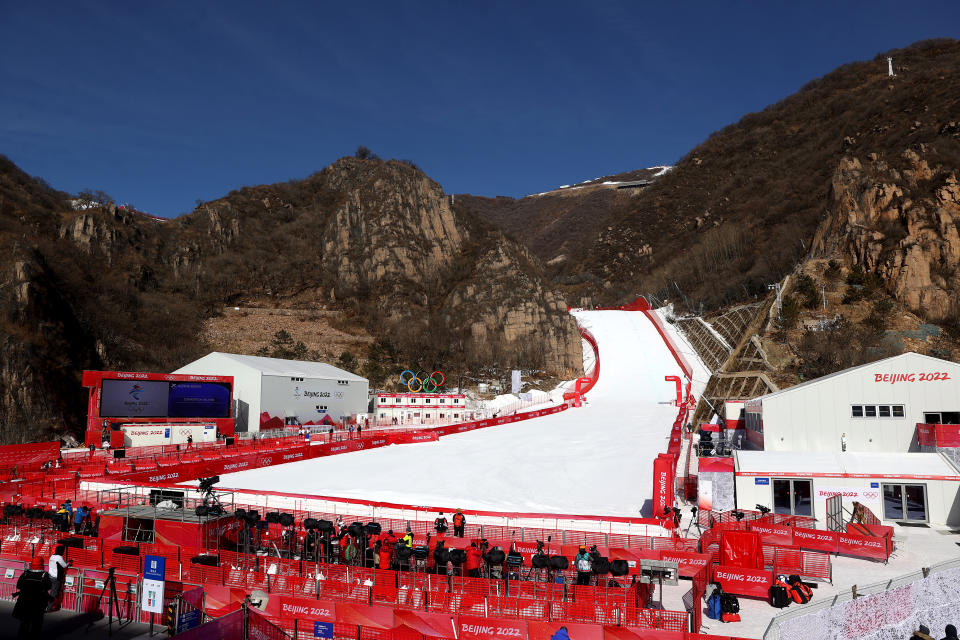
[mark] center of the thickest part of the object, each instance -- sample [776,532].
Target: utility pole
[776,287]
[890,68]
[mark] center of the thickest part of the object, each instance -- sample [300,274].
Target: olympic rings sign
[417,382]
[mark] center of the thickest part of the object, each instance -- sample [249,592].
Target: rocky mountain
[554,224]
[377,241]
[742,209]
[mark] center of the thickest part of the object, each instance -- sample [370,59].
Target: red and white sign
[474,628]
[815,539]
[307,609]
[863,546]
[744,582]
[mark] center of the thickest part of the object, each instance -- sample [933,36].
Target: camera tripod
[113,604]
[693,521]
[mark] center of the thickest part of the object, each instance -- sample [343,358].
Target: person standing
[459,521]
[440,524]
[33,596]
[79,518]
[472,563]
[359,430]
[584,565]
[951,632]
[57,568]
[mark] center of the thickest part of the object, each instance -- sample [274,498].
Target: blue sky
[161,104]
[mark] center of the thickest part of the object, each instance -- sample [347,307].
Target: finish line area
[596,459]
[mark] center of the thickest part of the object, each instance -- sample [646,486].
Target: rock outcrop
[898,219]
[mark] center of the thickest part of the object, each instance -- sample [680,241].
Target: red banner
[744,582]
[689,563]
[548,630]
[663,470]
[772,533]
[474,628]
[815,539]
[948,435]
[863,546]
[307,609]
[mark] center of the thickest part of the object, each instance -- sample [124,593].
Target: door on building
[793,497]
[906,502]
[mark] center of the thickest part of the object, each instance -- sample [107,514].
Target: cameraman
[584,565]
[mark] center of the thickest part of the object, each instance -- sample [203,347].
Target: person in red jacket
[387,543]
[472,564]
[458,523]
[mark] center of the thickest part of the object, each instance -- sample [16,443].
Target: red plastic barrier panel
[863,546]
[926,435]
[744,582]
[815,539]
[640,633]
[772,533]
[947,435]
[475,628]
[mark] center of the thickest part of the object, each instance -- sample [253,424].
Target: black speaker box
[619,567]
[127,551]
[286,519]
[273,517]
[420,552]
[559,563]
[208,561]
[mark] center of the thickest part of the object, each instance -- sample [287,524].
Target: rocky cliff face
[897,218]
[379,240]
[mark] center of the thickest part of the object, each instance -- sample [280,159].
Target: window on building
[869,411]
[383,415]
[441,415]
[413,401]
[456,401]
[898,411]
[793,497]
[442,401]
[905,502]
[950,417]
[857,411]
[427,401]
[883,411]
[456,415]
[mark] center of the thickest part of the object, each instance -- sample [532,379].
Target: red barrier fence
[876,548]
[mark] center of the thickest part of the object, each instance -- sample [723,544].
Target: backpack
[729,603]
[583,563]
[714,611]
[779,597]
[730,617]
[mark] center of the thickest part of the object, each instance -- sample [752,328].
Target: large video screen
[159,399]
[199,400]
[134,399]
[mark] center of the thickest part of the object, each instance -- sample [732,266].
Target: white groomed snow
[594,460]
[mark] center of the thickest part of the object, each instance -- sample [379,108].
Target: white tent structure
[268,390]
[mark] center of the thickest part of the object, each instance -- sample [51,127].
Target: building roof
[858,464]
[816,381]
[287,368]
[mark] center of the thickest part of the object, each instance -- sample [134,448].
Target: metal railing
[857,591]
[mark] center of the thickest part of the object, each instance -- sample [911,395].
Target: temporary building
[271,392]
[871,408]
[896,487]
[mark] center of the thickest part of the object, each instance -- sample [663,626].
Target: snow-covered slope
[593,460]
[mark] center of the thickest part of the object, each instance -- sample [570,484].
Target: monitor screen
[199,400]
[134,399]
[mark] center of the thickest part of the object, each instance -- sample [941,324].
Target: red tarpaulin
[564,631]
[741,549]
[638,633]
[365,615]
[432,625]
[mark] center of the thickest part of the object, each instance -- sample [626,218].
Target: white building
[875,407]
[420,408]
[896,487]
[270,392]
